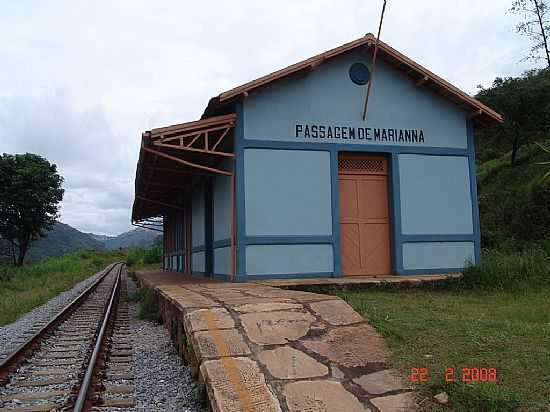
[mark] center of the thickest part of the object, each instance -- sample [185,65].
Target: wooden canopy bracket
[147,227]
[186,163]
[199,141]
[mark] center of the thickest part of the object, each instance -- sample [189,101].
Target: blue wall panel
[289,259]
[222,260]
[435,195]
[287,192]
[198,221]
[327,96]
[436,255]
[222,203]
[198,262]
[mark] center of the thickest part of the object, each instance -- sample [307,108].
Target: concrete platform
[259,348]
[357,282]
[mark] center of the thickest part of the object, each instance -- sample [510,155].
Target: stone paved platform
[357,282]
[259,348]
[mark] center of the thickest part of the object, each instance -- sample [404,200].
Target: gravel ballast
[162,381]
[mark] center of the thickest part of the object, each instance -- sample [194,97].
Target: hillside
[136,238]
[60,240]
[514,208]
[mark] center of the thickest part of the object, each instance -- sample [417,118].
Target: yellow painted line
[229,364]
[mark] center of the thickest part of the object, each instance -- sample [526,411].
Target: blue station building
[283,177]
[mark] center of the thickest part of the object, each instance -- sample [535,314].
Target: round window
[359,74]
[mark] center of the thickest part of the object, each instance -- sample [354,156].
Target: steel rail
[82,398]
[21,351]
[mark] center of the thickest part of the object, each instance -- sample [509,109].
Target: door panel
[375,241]
[348,199]
[351,255]
[373,200]
[364,215]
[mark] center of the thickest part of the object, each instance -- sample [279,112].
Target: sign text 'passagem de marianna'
[315,131]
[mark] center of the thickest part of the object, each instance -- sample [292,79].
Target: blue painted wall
[198,262]
[221,198]
[287,192]
[435,255]
[222,260]
[288,259]
[435,195]
[326,96]
[197,220]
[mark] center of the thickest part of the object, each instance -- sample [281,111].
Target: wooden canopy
[422,77]
[171,156]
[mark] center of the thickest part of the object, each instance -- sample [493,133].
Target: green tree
[30,189]
[535,26]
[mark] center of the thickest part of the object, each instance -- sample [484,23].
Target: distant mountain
[136,238]
[101,238]
[64,239]
[60,240]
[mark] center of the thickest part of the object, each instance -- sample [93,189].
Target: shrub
[153,255]
[520,216]
[503,270]
[148,305]
[133,257]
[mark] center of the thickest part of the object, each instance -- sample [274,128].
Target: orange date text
[465,375]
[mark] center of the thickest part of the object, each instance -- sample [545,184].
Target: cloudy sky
[80,80]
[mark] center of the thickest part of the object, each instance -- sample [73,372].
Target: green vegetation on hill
[525,103]
[58,241]
[24,288]
[61,240]
[514,205]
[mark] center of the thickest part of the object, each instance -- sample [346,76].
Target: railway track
[80,360]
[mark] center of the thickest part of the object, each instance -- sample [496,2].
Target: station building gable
[324,105]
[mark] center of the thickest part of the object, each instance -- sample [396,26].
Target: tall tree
[536,25]
[30,189]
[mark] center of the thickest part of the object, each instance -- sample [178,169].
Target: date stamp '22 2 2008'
[454,375]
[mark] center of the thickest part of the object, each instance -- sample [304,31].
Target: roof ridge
[387,53]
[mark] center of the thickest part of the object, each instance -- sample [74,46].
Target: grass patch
[24,288]
[148,304]
[499,270]
[498,316]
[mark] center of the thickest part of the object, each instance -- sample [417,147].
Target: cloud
[81,80]
[96,164]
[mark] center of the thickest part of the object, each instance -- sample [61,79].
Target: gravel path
[162,381]
[17,332]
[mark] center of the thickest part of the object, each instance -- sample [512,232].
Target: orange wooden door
[364,215]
